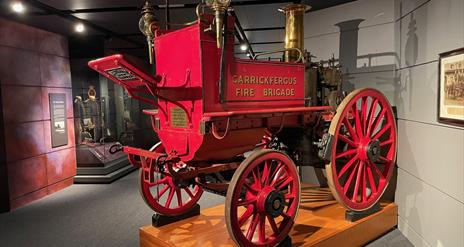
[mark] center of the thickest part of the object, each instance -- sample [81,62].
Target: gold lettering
[252,79]
[234,79]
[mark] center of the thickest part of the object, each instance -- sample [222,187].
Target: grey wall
[395,49]
[430,190]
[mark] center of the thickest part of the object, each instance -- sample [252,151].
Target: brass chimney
[294,29]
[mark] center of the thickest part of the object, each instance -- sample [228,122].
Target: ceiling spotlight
[17,7]
[79,28]
[243,47]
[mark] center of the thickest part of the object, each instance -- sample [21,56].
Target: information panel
[59,130]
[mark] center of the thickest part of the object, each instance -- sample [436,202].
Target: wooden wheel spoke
[387,142]
[371,115]
[284,182]
[384,159]
[246,202]
[371,180]
[364,114]
[252,227]
[357,121]
[347,166]
[161,193]
[179,197]
[265,175]
[289,196]
[376,170]
[346,153]
[350,129]
[273,224]
[250,188]
[358,181]
[363,184]
[262,229]
[277,176]
[350,178]
[377,121]
[170,196]
[257,177]
[277,169]
[347,140]
[246,215]
[189,193]
[381,131]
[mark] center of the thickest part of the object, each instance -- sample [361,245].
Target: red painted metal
[360,182]
[186,87]
[248,219]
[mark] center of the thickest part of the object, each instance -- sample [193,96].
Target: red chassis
[208,122]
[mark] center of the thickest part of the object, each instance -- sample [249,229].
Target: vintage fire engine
[241,127]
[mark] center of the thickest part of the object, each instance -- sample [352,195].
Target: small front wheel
[167,196]
[263,199]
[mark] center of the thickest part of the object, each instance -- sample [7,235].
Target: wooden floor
[320,222]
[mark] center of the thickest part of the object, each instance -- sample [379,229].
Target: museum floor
[99,215]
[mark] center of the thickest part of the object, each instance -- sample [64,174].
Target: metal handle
[300,57]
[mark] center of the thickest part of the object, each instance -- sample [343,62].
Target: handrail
[300,58]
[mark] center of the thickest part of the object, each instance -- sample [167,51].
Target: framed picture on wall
[451,87]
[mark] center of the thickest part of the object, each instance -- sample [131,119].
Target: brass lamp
[145,26]
[219,7]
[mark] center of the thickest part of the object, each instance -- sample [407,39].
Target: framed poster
[451,88]
[58,117]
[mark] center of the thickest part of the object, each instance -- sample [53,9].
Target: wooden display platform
[320,222]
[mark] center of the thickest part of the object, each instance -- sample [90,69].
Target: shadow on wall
[405,85]
[365,70]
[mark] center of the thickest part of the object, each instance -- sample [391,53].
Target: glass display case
[106,118]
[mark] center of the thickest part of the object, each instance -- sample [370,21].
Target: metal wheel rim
[366,175]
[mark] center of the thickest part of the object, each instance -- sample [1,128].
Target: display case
[105,118]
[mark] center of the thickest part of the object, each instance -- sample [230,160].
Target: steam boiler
[242,127]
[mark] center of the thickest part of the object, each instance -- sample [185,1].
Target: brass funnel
[294,30]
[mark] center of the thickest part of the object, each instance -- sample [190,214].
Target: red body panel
[187,88]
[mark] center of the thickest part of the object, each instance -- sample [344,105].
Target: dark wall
[33,64]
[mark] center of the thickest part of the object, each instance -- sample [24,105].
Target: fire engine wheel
[262,199]
[166,196]
[363,149]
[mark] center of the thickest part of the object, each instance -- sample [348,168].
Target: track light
[17,7]
[243,47]
[79,28]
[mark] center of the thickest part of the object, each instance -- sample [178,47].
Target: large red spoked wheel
[262,199]
[167,196]
[363,149]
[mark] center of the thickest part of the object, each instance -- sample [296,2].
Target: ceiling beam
[73,18]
